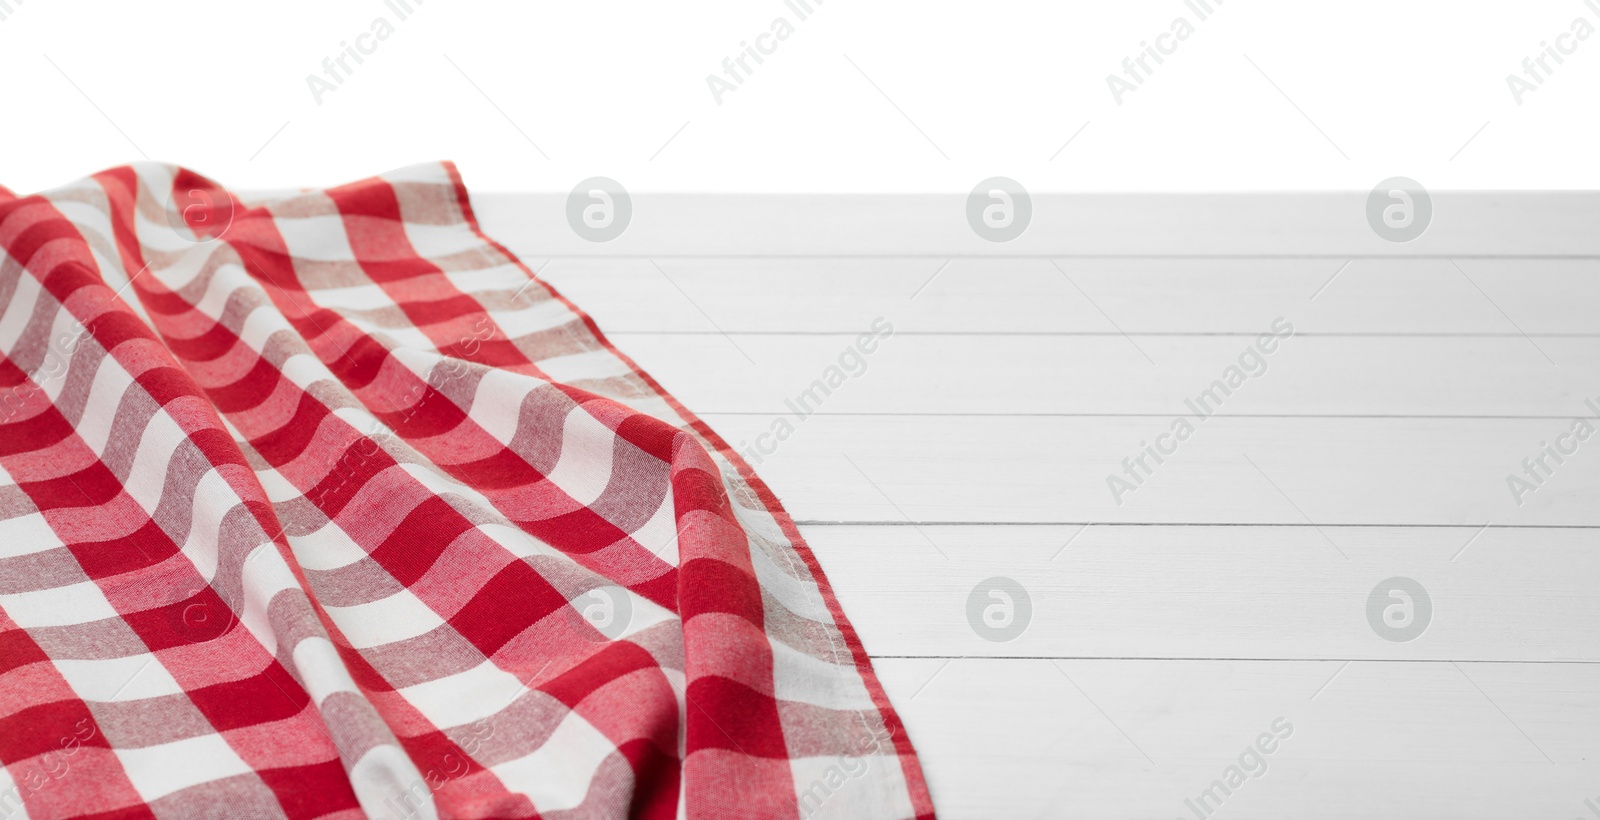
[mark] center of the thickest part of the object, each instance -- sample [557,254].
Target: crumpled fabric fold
[325,506]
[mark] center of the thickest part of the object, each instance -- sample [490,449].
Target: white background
[995,88]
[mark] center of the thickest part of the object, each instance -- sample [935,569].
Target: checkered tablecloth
[325,506]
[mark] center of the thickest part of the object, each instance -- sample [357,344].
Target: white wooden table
[1231,588]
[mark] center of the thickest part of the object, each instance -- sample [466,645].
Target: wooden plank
[1219,592]
[1215,560]
[1543,223]
[981,295]
[1135,739]
[1110,375]
[854,469]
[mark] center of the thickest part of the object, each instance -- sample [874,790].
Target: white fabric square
[596,364]
[393,618]
[14,320]
[461,698]
[65,334]
[354,297]
[264,574]
[500,277]
[213,499]
[322,669]
[801,678]
[25,535]
[497,403]
[148,476]
[106,680]
[660,533]
[840,787]
[442,240]
[403,337]
[329,548]
[110,384]
[583,470]
[157,771]
[11,807]
[389,785]
[557,775]
[68,605]
[317,238]
[542,315]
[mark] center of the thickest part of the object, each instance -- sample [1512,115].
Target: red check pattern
[324,506]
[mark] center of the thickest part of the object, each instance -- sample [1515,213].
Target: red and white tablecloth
[324,506]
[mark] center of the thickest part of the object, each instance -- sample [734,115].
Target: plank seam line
[1556,662]
[1050,334]
[1103,524]
[924,256]
[866,414]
